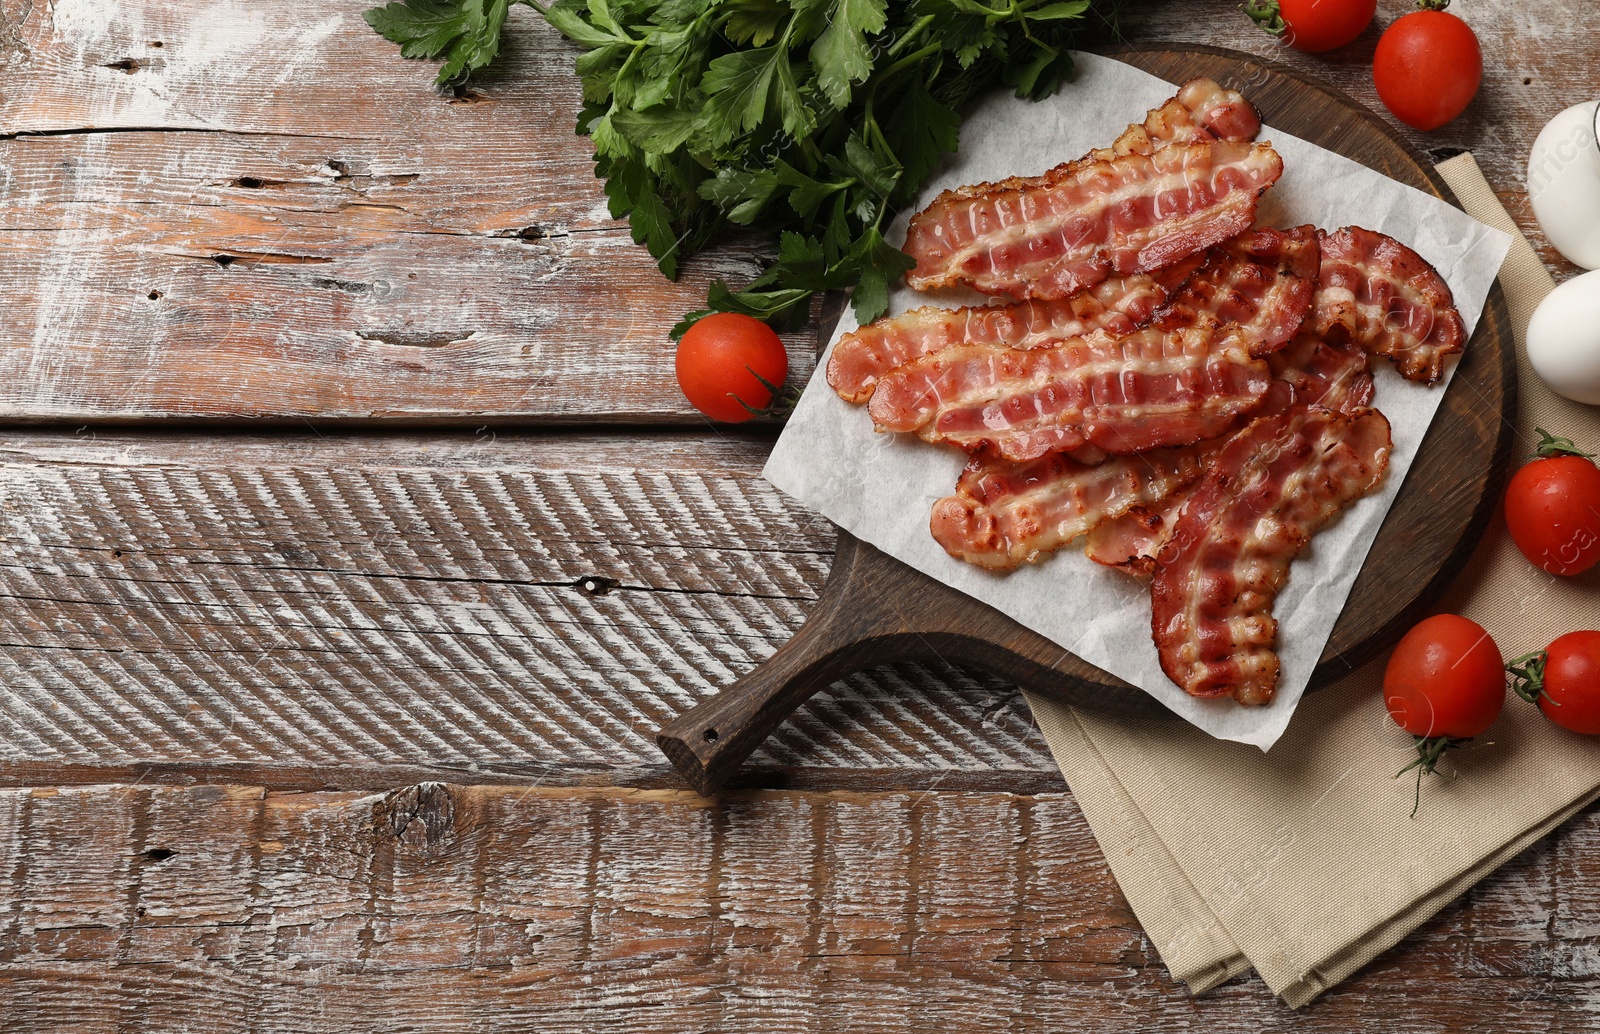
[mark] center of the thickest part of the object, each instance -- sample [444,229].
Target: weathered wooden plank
[512,607]
[496,908]
[258,210]
[156,310]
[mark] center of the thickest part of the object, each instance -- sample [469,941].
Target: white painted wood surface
[260,209]
[498,605]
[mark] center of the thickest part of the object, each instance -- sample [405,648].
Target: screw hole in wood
[710,735]
[594,585]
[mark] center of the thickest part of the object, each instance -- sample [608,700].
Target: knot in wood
[421,816]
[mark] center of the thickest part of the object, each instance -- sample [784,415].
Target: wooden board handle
[873,610]
[711,740]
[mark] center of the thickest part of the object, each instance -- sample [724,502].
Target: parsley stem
[913,58]
[917,29]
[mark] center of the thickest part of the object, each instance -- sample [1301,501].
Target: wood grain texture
[262,210]
[399,254]
[497,606]
[442,908]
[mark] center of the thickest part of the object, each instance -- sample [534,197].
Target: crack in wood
[414,338]
[130,65]
[22,134]
[263,258]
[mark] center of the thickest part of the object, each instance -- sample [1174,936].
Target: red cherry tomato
[1565,679]
[1553,508]
[1427,67]
[1445,678]
[722,360]
[1313,25]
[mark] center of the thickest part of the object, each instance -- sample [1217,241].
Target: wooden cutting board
[875,610]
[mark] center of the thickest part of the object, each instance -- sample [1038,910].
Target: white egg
[1564,183]
[1564,339]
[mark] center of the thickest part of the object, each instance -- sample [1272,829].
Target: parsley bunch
[812,120]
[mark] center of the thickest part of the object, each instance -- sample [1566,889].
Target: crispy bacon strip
[1266,493]
[1134,539]
[1004,514]
[1151,388]
[1224,113]
[1182,379]
[1133,213]
[1120,305]
[1332,374]
[1308,372]
[1259,284]
[1385,297]
[1200,111]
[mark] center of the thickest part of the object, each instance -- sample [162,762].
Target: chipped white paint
[195,75]
[62,284]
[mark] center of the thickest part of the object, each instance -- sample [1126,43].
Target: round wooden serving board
[875,609]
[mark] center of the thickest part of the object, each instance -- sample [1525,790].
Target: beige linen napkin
[1303,861]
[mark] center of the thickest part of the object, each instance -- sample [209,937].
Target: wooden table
[317,718]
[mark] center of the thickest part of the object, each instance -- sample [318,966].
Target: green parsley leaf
[741,193]
[880,265]
[841,55]
[754,22]
[660,129]
[1056,12]
[923,131]
[466,33]
[738,88]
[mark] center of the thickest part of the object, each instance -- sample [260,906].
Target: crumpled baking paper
[882,487]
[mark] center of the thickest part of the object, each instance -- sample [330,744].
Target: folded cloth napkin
[1303,862]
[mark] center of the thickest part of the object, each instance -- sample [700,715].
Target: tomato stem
[1266,15]
[1430,749]
[1432,5]
[1549,446]
[781,401]
[1527,676]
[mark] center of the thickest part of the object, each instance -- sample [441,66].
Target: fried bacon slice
[1151,388]
[1119,305]
[1223,112]
[1133,540]
[1313,372]
[1184,378]
[1130,214]
[1385,297]
[1201,111]
[1003,515]
[1260,285]
[1309,371]
[1265,494]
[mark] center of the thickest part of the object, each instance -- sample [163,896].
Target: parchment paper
[881,487]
